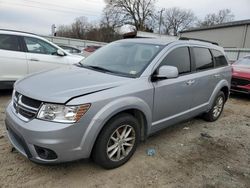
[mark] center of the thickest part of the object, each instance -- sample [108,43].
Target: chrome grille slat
[27,107]
[25,111]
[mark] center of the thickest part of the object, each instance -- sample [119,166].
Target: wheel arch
[225,90]
[223,86]
[131,105]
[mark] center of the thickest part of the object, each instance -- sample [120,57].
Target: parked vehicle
[91,49]
[115,98]
[24,53]
[71,49]
[241,75]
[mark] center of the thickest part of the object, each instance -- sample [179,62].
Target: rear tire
[117,141]
[216,109]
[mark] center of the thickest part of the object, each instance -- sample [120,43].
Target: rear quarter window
[219,58]
[9,42]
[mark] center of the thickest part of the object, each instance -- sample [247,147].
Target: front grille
[31,102]
[25,107]
[240,82]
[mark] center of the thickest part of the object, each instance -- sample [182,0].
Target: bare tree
[136,12]
[223,16]
[111,17]
[80,26]
[64,30]
[82,29]
[176,20]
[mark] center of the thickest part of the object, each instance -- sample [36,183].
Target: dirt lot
[183,157]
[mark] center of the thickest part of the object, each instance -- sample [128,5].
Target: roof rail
[187,38]
[17,31]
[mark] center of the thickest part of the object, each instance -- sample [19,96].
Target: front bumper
[240,85]
[63,139]
[241,89]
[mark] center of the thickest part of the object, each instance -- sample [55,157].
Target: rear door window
[9,42]
[220,59]
[179,58]
[203,59]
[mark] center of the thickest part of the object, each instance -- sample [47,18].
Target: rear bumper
[63,139]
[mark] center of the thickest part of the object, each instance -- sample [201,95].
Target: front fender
[107,112]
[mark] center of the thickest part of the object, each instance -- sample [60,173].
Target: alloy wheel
[218,107]
[121,142]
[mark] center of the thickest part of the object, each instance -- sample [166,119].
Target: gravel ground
[191,154]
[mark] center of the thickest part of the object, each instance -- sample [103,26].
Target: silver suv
[109,102]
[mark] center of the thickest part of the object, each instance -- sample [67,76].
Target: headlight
[62,113]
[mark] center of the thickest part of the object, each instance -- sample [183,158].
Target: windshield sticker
[132,72]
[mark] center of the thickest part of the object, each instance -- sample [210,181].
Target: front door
[173,97]
[42,55]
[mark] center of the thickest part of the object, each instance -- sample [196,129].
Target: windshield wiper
[93,67]
[79,64]
[99,68]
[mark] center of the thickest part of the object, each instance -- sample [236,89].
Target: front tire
[117,141]
[217,108]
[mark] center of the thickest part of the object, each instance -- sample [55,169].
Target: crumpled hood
[60,85]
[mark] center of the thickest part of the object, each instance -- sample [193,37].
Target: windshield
[122,58]
[244,61]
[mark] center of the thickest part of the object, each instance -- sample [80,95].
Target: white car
[25,53]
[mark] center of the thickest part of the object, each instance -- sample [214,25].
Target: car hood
[241,71]
[60,85]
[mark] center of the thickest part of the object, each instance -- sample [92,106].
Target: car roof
[148,41]
[14,32]
[165,42]
[22,33]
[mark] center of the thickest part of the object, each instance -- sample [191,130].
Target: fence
[73,42]
[234,54]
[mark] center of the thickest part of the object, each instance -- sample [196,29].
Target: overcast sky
[37,16]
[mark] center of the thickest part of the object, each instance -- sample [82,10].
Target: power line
[50,9]
[53,4]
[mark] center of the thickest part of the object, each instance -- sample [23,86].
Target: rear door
[173,96]
[42,55]
[204,76]
[13,62]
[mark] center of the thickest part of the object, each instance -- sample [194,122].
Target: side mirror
[165,72]
[60,53]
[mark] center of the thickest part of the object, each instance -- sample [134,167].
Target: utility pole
[161,11]
[53,30]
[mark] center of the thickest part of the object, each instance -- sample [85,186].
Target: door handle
[217,75]
[190,82]
[33,59]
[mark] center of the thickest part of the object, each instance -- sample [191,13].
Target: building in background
[233,36]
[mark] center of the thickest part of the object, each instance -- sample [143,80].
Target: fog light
[45,153]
